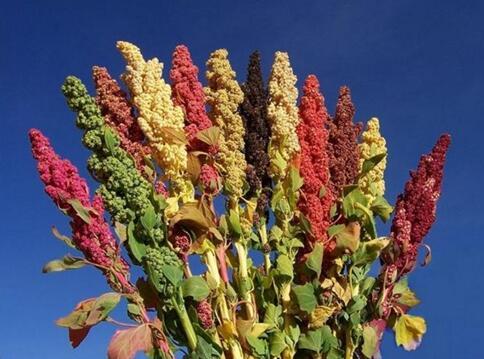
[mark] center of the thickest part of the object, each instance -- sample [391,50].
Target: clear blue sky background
[417,65]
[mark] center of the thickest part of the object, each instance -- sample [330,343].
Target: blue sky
[417,65]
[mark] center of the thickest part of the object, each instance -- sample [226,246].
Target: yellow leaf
[342,291]
[210,135]
[172,206]
[408,298]
[409,330]
[250,209]
[319,316]
[259,328]
[326,283]
[175,136]
[227,330]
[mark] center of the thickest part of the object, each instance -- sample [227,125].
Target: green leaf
[284,266]
[305,297]
[370,163]
[357,304]
[329,341]
[336,229]
[315,259]
[296,179]
[173,273]
[370,341]
[66,263]
[149,218]
[312,340]
[203,349]
[234,223]
[352,197]
[279,161]
[82,212]
[133,310]
[136,248]
[369,251]
[206,347]
[381,208]
[277,343]
[259,346]
[195,287]
[273,315]
[62,237]
[110,139]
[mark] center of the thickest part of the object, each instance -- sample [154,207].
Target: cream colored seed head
[282,112]
[372,183]
[152,97]
[224,96]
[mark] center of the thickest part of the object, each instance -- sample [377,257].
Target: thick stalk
[265,243]
[222,307]
[244,280]
[186,323]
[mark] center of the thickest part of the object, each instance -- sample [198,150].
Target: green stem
[349,349]
[245,284]
[186,323]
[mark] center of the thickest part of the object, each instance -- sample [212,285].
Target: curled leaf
[65,263]
[62,237]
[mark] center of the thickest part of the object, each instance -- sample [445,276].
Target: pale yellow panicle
[372,183]
[152,97]
[282,113]
[224,96]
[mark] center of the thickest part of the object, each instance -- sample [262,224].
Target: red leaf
[126,343]
[76,336]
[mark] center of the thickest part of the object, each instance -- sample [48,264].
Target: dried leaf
[175,136]
[102,307]
[62,237]
[66,263]
[83,212]
[209,135]
[191,215]
[76,336]
[193,167]
[120,230]
[428,255]
[319,316]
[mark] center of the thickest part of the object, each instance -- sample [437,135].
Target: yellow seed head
[282,113]
[372,183]
[224,96]
[152,97]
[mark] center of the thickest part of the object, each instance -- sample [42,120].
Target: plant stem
[264,241]
[186,323]
[244,280]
